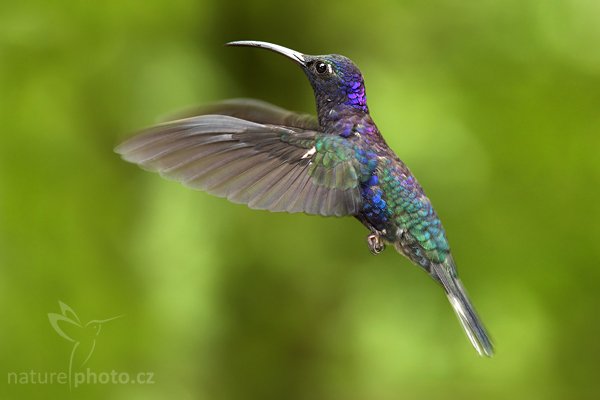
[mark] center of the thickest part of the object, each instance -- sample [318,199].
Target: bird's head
[336,80]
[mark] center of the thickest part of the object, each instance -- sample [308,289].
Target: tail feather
[457,295]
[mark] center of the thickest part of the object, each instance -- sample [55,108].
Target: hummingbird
[83,336]
[337,164]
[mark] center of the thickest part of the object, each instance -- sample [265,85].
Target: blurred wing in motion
[267,167]
[256,111]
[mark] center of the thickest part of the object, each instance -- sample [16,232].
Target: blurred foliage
[494,105]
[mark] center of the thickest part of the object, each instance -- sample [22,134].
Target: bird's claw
[375,243]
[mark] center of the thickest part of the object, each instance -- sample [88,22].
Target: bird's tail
[445,273]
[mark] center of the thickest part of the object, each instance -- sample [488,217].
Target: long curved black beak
[299,58]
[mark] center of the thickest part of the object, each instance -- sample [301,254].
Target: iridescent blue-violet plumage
[254,153]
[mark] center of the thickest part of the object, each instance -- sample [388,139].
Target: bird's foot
[375,243]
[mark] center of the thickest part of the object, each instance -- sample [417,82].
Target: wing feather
[265,166]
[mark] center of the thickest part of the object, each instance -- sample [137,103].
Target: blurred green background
[494,105]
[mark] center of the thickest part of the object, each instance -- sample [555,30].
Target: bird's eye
[322,67]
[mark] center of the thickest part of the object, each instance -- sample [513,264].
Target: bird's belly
[375,212]
[395,206]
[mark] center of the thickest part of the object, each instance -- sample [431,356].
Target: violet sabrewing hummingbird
[337,164]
